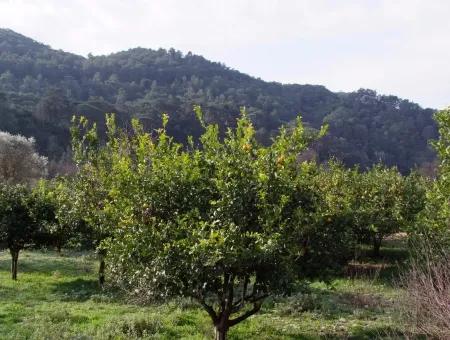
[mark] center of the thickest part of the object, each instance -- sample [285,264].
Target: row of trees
[226,221]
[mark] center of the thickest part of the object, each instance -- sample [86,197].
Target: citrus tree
[334,220]
[91,186]
[62,221]
[434,220]
[23,218]
[386,203]
[225,221]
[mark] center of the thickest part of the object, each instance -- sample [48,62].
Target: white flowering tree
[19,161]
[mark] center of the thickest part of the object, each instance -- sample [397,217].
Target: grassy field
[56,297]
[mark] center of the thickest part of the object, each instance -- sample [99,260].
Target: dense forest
[41,88]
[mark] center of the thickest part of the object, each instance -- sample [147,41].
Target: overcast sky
[399,47]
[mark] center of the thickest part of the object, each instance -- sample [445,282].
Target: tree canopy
[434,221]
[19,161]
[24,216]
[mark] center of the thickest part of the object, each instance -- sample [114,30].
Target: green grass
[57,297]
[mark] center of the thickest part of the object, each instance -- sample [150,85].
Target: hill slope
[40,88]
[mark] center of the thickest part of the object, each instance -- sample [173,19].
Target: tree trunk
[14,260]
[376,246]
[58,249]
[220,334]
[101,268]
[221,329]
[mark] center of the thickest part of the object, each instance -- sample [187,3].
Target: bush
[426,305]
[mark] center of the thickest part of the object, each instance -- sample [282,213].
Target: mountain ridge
[43,87]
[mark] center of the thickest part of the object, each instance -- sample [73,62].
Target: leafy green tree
[380,209]
[62,221]
[415,187]
[17,227]
[23,216]
[53,107]
[434,221]
[92,186]
[333,221]
[226,222]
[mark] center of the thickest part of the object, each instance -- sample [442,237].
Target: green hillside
[40,88]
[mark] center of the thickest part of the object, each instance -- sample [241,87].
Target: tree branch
[224,291]
[256,307]
[212,313]
[244,289]
[230,297]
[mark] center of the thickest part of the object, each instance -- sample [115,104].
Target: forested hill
[40,89]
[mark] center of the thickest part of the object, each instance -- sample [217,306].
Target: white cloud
[399,47]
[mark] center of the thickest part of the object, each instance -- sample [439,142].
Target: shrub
[426,304]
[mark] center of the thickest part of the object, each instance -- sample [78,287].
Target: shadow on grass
[384,273]
[77,290]
[353,303]
[386,269]
[265,331]
[49,263]
[5,263]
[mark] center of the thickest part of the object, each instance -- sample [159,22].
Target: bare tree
[19,161]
